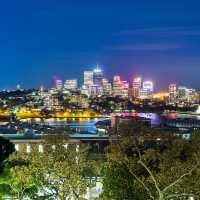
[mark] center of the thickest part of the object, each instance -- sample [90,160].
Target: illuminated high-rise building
[148,85]
[88,78]
[107,87]
[98,76]
[136,87]
[71,84]
[58,84]
[172,93]
[147,89]
[125,89]
[116,79]
[186,95]
[117,86]
[120,88]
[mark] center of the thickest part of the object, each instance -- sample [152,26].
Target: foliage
[6,148]
[56,172]
[17,181]
[168,170]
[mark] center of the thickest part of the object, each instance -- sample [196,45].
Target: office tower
[147,89]
[186,95]
[58,84]
[182,93]
[172,93]
[71,84]
[136,87]
[88,78]
[125,89]
[148,85]
[120,88]
[117,86]
[98,76]
[107,87]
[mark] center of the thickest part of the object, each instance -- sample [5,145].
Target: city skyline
[41,40]
[100,99]
[59,81]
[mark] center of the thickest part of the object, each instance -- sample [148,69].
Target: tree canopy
[169,170]
[57,171]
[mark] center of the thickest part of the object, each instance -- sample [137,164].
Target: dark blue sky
[157,39]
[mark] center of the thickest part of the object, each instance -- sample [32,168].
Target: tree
[56,172]
[17,182]
[6,148]
[168,170]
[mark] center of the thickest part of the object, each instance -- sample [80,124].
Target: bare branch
[180,179]
[140,181]
[152,176]
[179,195]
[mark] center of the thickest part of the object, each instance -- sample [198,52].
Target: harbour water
[86,125]
[82,125]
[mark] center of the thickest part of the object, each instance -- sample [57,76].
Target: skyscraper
[148,85]
[120,88]
[147,89]
[125,89]
[88,78]
[186,95]
[98,76]
[136,87]
[116,86]
[107,87]
[172,93]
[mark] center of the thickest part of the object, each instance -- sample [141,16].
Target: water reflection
[77,125]
[154,118]
[87,125]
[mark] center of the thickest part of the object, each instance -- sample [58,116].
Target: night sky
[42,39]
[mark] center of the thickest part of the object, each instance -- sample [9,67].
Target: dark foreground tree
[168,170]
[6,148]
